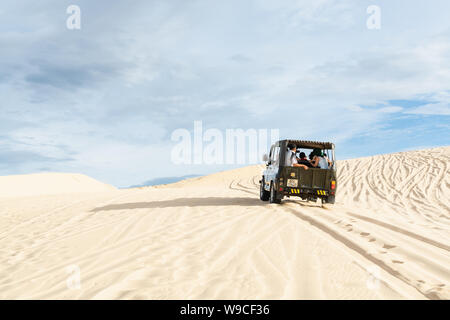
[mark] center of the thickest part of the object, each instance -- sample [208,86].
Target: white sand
[49,183]
[388,237]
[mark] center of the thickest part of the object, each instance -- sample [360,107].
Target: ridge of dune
[387,237]
[38,184]
[223,176]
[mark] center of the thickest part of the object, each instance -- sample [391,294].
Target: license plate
[292,183]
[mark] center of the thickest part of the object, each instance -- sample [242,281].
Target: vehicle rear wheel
[331,199]
[273,195]
[264,195]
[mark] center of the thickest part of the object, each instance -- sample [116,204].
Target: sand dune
[49,183]
[387,237]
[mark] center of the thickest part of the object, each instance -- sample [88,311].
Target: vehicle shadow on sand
[303,203]
[183,202]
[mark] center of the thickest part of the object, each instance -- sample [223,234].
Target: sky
[104,100]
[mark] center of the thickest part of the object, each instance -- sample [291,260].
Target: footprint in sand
[372,239]
[364,234]
[397,261]
[388,246]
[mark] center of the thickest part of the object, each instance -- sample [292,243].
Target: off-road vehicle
[312,184]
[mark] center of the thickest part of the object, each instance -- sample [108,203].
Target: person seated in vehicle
[330,163]
[291,158]
[319,160]
[303,160]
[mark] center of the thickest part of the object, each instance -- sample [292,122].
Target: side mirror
[265,157]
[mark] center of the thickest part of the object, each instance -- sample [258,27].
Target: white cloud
[391,109]
[115,90]
[432,109]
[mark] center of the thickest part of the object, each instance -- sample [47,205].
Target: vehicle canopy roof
[309,144]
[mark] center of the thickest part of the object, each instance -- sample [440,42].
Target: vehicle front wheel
[273,195]
[264,195]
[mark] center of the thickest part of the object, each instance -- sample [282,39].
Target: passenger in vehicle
[291,158]
[304,160]
[319,160]
[330,163]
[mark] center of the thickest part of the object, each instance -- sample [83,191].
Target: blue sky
[105,99]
